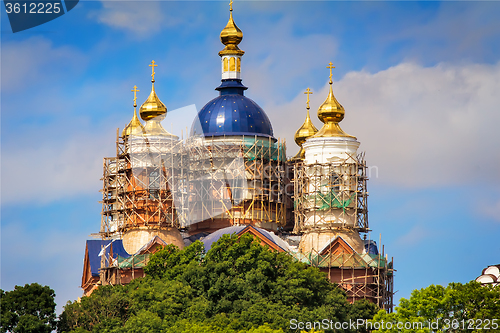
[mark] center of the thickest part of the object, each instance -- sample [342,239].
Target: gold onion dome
[331,113]
[134,127]
[231,36]
[153,111]
[305,131]
[153,107]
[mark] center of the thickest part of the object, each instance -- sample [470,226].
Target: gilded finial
[331,113]
[153,70]
[231,36]
[135,90]
[330,66]
[308,92]
[305,131]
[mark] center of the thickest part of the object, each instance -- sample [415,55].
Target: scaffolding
[331,195]
[234,181]
[361,275]
[331,198]
[201,184]
[143,185]
[205,184]
[121,270]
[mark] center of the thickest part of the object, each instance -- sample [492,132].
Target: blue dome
[232,114]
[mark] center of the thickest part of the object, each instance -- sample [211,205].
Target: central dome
[231,114]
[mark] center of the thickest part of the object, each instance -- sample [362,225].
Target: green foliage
[238,286]
[450,309]
[108,307]
[28,309]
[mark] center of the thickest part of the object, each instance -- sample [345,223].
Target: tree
[108,307]
[237,286]
[455,308]
[28,309]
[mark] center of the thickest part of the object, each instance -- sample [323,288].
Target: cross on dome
[135,90]
[153,70]
[308,92]
[330,66]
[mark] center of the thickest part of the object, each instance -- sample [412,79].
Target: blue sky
[419,82]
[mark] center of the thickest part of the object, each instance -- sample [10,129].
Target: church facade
[232,176]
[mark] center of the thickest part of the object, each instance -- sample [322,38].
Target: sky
[419,82]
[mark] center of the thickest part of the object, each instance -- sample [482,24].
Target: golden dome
[153,111]
[331,113]
[134,127]
[331,110]
[231,36]
[153,107]
[305,131]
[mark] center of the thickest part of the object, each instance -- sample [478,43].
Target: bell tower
[330,200]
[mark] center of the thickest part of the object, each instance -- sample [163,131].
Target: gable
[265,237]
[262,236]
[152,246]
[337,246]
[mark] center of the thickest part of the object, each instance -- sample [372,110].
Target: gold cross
[153,69]
[330,65]
[231,5]
[135,90]
[308,92]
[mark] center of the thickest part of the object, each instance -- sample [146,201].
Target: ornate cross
[308,92]
[153,70]
[135,90]
[330,66]
[231,5]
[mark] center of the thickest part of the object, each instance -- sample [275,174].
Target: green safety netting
[263,149]
[137,261]
[324,201]
[358,260]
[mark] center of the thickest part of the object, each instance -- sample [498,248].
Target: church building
[231,175]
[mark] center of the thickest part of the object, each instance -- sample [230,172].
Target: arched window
[232,66]
[238,64]
[226,66]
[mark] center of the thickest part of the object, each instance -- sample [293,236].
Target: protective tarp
[96,248]
[371,246]
[263,149]
[136,261]
[342,260]
[329,200]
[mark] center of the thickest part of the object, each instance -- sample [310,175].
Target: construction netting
[324,201]
[263,149]
[355,260]
[137,261]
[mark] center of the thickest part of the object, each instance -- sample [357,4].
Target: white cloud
[137,17]
[33,60]
[458,31]
[419,126]
[55,170]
